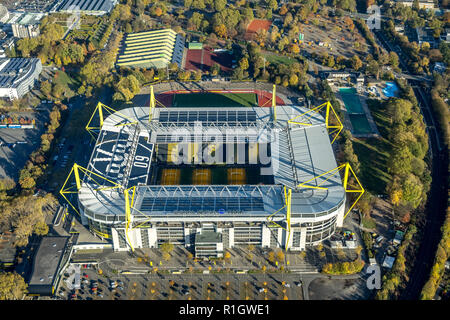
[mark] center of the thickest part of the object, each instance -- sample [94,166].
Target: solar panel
[230,117]
[202,204]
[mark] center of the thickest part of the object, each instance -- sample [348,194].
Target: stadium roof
[149,49]
[299,153]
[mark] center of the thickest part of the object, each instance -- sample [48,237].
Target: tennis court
[214,99]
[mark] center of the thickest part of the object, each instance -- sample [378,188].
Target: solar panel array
[220,118]
[202,204]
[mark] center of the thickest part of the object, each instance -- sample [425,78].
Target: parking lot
[18,144]
[183,287]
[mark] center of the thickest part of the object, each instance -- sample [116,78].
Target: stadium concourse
[210,165]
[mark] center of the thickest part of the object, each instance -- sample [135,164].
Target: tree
[46,88]
[219,5]
[12,286]
[221,30]
[58,90]
[280,256]
[293,80]
[295,49]
[356,63]
[243,63]
[215,69]
[373,68]
[167,247]
[27,182]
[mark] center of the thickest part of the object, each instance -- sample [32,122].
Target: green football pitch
[212,99]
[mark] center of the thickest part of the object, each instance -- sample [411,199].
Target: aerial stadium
[213,177]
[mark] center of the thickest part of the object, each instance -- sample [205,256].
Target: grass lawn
[63,78]
[368,223]
[211,99]
[277,59]
[373,153]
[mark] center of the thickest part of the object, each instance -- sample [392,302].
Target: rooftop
[299,153]
[47,260]
[150,46]
[14,71]
[87,5]
[31,19]
[208,237]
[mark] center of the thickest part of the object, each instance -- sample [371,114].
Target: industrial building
[18,75]
[51,258]
[151,49]
[91,7]
[212,178]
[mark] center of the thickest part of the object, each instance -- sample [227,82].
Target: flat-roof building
[423,4]
[151,49]
[52,255]
[91,7]
[18,75]
[27,26]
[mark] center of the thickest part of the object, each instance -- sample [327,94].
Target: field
[212,99]
[204,59]
[279,59]
[373,153]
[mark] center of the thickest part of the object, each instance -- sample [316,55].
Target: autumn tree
[12,286]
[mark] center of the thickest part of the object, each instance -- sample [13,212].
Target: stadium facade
[212,178]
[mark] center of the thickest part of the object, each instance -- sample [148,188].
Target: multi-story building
[27,26]
[18,76]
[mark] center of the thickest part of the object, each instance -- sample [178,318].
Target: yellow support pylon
[128,204]
[274,102]
[347,170]
[310,113]
[100,108]
[288,215]
[152,104]
[128,207]
[76,173]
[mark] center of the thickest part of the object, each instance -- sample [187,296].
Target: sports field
[212,99]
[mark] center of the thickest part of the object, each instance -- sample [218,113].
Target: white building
[18,75]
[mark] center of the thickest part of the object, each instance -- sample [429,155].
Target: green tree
[12,286]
